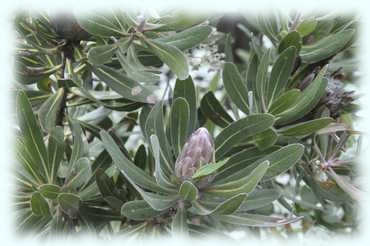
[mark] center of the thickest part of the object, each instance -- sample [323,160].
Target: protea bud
[197,151]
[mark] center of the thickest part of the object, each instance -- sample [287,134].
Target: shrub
[115,135]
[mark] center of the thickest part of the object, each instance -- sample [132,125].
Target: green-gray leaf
[306,27]
[179,223]
[262,78]
[155,125]
[213,110]
[228,206]
[291,39]
[82,173]
[240,130]
[128,169]
[138,210]
[188,191]
[178,124]
[32,137]
[285,101]
[280,161]
[208,169]
[186,89]
[307,101]
[265,139]
[326,47]
[305,128]
[101,54]
[243,185]
[241,160]
[39,205]
[235,87]
[55,150]
[258,199]
[50,109]
[280,73]
[161,172]
[78,148]
[123,85]
[69,203]
[100,24]
[107,189]
[49,191]
[133,67]
[256,220]
[188,38]
[170,55]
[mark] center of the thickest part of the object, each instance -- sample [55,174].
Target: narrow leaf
[258,199]
[228,206]
[99,24]
[49,191]
[262,79]
[243,185]
[186,89]
[256,220]
[32,136]
[188,191]
[50,109]
[69,203]
[78,143]
[235,87]
[123,85]
[55,150]
[241,160]
[128,169]
[39,205]
[179,121]
[306,27]
[280,73]
[133,67]
[305,128]
[81,173]
[155,125]
[280,161]
[214,111]
[172,56]
[208,169]
[291,39]
[179,225]
[239,130]
[285,101]
[188,38]
[349,188]
[161,172]
[138,210]
[326,47]
[265,139]
[307,101]
[101,54]
[107,189]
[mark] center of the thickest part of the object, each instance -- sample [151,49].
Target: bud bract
[197,151]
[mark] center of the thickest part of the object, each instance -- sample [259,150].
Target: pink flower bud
[197,151]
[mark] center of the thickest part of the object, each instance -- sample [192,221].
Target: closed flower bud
[197,151]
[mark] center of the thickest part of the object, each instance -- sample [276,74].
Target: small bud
[197,151]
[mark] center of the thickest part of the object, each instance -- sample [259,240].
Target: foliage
[107,110]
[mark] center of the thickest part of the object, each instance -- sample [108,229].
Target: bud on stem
[197,151]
